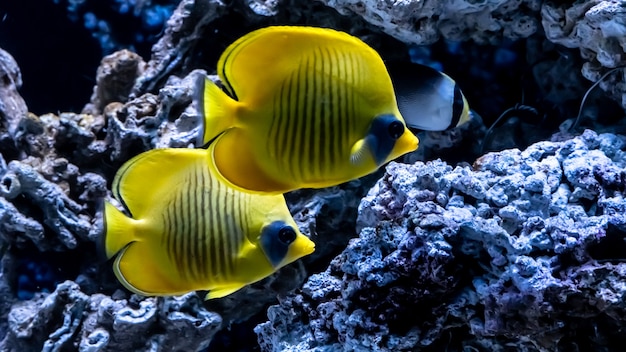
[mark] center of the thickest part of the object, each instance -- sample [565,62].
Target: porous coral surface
[523,249]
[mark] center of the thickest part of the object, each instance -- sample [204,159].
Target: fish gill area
[513,240]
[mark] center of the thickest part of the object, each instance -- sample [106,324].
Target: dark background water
[58,57]
[58,44]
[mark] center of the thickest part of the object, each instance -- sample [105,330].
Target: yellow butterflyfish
[186,230]
[306,108]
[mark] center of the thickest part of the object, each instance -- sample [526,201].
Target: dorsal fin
[143,180]
[249,67]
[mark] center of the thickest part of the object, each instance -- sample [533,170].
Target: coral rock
[68,318]
[12,106]
[464,258]
[114,79]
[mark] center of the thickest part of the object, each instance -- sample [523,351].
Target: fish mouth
[408,142]
[309,248]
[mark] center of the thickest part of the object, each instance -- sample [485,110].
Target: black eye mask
[382,136]
[275,240]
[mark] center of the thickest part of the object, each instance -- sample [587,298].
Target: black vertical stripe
[317,141]
[340,87]
[233,234]
[291,121]
[228,220]
[217,230]
[234,237]
[195,233]
[341,69]
[171,245]
[185,200]
[242,211]
[180,233]
[176,234]
[296,115]
[191,230]
[242,218]
[324,114]
[202,228]
[167,233]
[211,235]
[332,145]
[458,105]
[246,216]
[344,111]
[219,235]
[188,235]
[273,132]
[187,219]
[316,125]
[288,117]
[166,225]
[280,142]
[356,82]
[173,241]
[223,234]
[334,104]
[307,119]
[350,113]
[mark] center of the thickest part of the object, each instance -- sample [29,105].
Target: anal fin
[136,268]
[223,291]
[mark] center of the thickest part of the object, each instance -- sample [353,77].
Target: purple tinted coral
[480,272]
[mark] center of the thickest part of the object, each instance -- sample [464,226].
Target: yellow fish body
[189,231]
[308,108]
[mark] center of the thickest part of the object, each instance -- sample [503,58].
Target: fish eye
[286,235]
[395,129]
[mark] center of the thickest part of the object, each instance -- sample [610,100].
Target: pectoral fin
[360,152]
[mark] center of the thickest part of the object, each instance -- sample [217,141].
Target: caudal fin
[119,230]
[216,108]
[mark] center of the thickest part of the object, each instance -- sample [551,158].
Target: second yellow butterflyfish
[186,230]
[306,108]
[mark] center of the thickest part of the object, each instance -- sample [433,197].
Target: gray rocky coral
[523,248]
[509,251]
[424,22]
[106,324]
[597,28]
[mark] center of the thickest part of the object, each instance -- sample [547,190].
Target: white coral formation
[597,28]
[425,21]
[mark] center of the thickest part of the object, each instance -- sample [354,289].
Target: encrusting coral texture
[523,249]
[597,28]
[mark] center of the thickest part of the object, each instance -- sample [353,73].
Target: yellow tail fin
[119,230]
[217,110]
